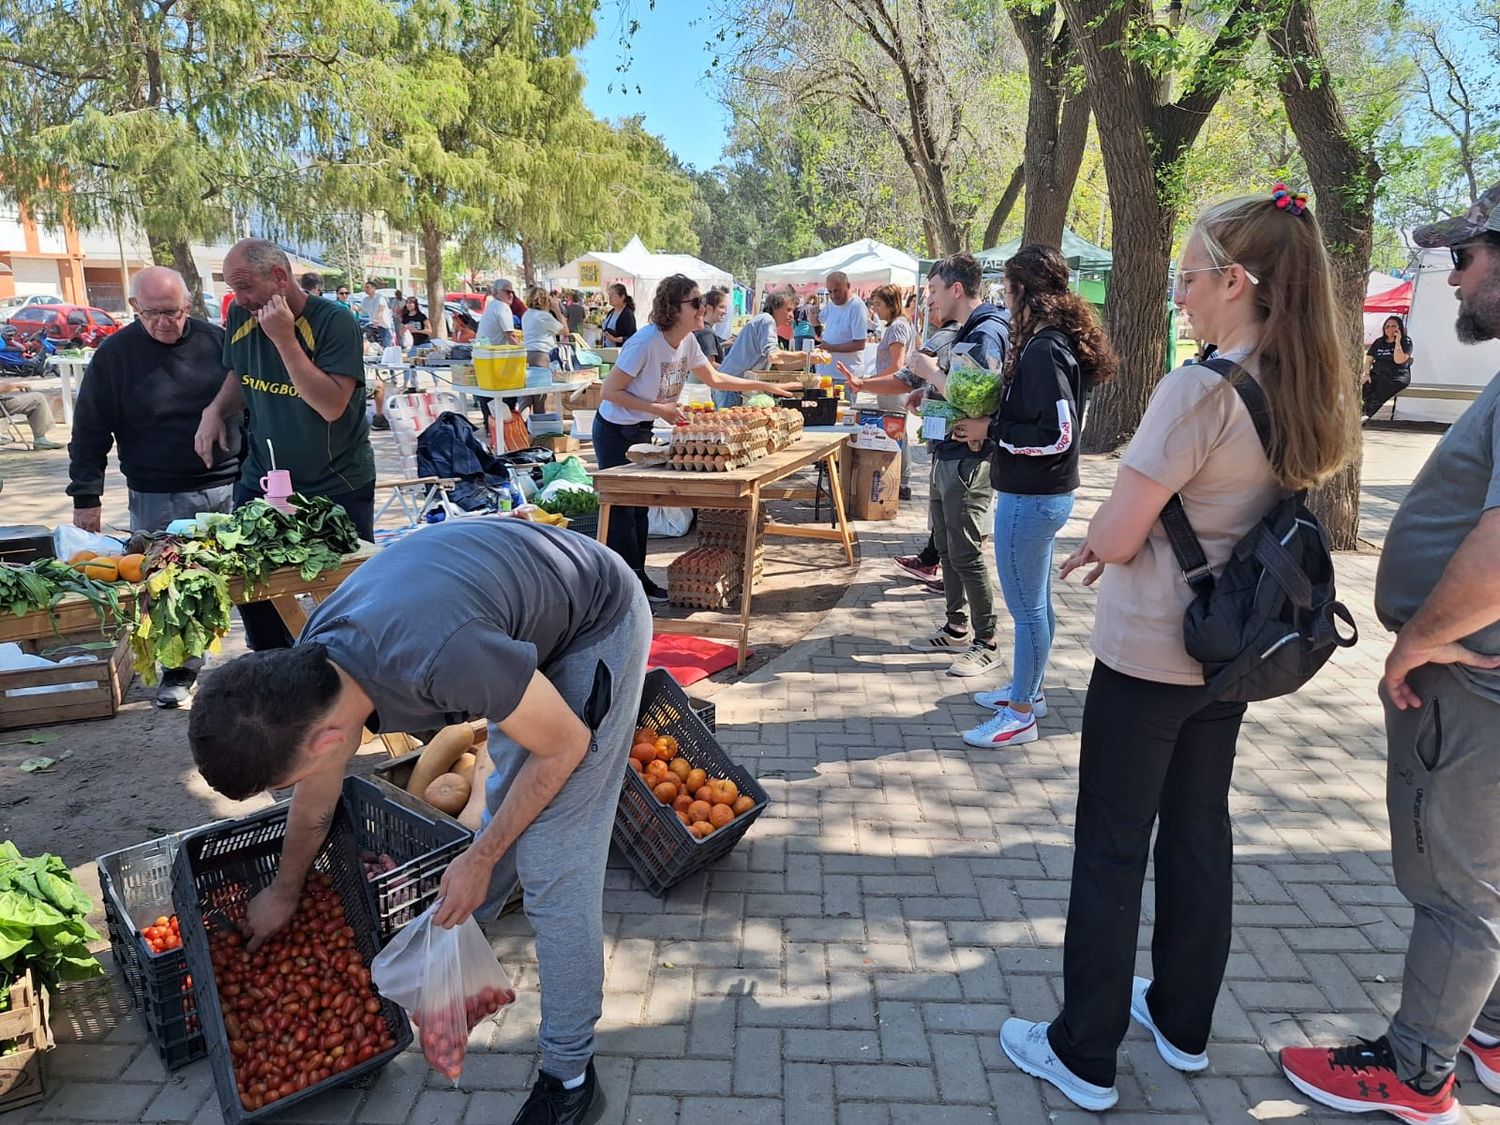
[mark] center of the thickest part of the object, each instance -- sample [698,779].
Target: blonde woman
[1157,751]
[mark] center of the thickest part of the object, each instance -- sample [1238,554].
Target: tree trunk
[432,260]
[1003,209]
[1057,124]
[172,249]
[528,263]
[1344,174]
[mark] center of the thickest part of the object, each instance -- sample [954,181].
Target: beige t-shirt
[1196,439]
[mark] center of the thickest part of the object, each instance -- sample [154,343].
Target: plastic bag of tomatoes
[447,980]
[163,935]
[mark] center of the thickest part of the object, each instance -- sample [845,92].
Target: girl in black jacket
[1058,350]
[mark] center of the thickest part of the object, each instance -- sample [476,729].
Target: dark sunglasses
[1462,256]
[696,302]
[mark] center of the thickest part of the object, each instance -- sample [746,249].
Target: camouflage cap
[1483,216]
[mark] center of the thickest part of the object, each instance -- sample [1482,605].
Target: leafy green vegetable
[571,502]
[971,388]
[937,408]
[42,919]
[185,610]
[261,538]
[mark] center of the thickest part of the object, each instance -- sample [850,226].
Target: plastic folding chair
[409,415]
[14,430]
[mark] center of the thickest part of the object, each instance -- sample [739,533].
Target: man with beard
[1438,589]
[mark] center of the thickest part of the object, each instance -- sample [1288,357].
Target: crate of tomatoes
[683,802]
[146,940]
[300,1014]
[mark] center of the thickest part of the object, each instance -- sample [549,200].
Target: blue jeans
[725,399]
[1025,529]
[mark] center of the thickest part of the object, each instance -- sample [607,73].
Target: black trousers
[627,526]
[1380,390]
[1151,754]
[263,625]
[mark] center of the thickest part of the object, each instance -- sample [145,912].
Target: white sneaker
[1025,1044]
[977,660]
[943,641]
[1000,700]
[1001,730]
[1178,1060]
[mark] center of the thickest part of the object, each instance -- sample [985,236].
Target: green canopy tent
[1092,264]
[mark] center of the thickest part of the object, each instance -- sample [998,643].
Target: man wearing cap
[1438,590]
[502,312]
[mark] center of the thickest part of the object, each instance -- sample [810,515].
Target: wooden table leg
[752,518]
[602,535]
[837,489]
[291,613]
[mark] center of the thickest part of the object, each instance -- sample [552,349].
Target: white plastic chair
[409,415]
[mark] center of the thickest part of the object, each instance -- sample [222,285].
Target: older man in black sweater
[145,390]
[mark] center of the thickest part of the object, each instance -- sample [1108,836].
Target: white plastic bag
[447,980]
[668,523]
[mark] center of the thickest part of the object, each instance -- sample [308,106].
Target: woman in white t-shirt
[540,326]
[644,385]
[1157,750]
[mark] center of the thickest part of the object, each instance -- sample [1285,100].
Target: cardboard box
[874,484]
[558,443]
[588,398]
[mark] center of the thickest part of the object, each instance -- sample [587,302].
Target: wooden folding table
[742,489]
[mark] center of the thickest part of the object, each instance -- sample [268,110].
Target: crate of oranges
[683,803]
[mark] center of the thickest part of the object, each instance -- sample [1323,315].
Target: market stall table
[74,614]
[70,370]
[742,489]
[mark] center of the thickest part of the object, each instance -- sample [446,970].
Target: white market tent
[1446,374]
[636,268]
[867,263]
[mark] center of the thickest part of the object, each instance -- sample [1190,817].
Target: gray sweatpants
[33,405]
[1443,796]
[959,507]
[559,860]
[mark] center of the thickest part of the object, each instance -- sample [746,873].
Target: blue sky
[667,58]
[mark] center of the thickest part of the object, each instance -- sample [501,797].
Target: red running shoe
[1361,1078]
[1486,1062]
[912,565]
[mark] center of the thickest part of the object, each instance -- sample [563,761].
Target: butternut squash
[449,794]
[472,816]
[438,757]
[464,767]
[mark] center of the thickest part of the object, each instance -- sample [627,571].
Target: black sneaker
[176,687]
[380,422]
[654,593]
[904,493]
[550,1104]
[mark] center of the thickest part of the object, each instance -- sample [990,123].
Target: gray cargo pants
[152,511]
[559,860]
[1443,796]
[959,508]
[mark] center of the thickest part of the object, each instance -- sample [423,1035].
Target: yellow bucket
[500,367]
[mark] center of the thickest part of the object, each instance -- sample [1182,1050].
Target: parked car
[16,304]
[66,325]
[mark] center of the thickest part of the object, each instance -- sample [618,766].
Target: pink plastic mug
[277,483]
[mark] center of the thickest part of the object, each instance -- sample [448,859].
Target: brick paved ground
[852,960]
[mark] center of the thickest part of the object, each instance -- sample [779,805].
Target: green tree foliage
[180,117]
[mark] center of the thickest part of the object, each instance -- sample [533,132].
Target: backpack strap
[1174,520]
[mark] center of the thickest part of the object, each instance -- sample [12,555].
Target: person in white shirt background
[846,327]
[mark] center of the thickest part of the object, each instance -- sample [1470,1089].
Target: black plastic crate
[818,408]
[585,525]
[136,886]
[706,711]
[659,847]
[233,861]
[422,841]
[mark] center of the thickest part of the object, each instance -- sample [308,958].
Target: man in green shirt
[296,366]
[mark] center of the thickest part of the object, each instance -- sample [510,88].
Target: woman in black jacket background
[1058,350]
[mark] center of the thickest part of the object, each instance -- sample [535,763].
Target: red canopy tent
[1395,300]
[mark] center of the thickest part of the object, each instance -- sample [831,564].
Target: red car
[66,325]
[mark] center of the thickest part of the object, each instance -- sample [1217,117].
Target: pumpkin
[448,793]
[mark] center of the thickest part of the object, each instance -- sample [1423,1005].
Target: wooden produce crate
[25,1024]
[107,681]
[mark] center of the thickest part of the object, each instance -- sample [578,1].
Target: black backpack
[1270,621]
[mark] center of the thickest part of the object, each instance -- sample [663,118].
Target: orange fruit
[680,767]
[101,569]
[723,791]
[696,779]
[703,793]
[720,815]
[132,567]
[666,792]
[682,816]
[657,769]
[682,801]
[743,804]
[645,734]
[702,828]
[666,749]
[635,764]
[643,752]
[699,810]
[81,556]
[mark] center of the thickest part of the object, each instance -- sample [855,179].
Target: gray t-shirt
[752,347]
[1459,483]
[898,331]
[452,621]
